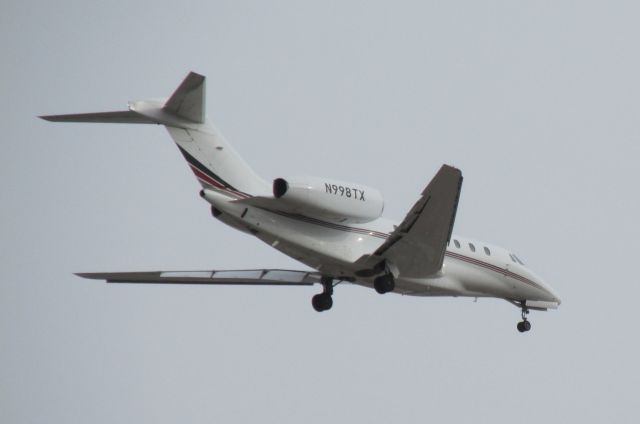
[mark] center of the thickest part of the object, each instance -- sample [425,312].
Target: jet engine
[332,200]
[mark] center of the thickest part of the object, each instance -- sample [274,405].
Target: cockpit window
[515,259]
[457,243]
[472,247]
[487,251]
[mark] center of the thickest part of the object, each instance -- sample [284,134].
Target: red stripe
[493,268]
[207,179]
[201,175]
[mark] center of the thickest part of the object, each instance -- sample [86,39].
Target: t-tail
[214,162]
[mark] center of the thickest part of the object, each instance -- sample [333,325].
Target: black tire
[521,327]
[316,301]
[384,284]
[327,301]
[322,302]
[526,325]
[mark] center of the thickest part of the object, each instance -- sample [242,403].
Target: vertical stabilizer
[188,101]
[215,163]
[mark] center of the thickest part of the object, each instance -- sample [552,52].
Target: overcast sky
[537,102]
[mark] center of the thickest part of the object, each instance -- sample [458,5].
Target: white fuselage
[332,226]
[333,249]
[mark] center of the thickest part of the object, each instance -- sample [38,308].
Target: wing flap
[261,277]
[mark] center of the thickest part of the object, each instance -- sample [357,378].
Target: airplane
[334,227]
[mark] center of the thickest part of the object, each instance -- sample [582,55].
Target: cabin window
[512,258]
[457,243]
[487,251]
[472,247]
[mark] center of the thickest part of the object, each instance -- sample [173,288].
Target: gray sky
[536,102]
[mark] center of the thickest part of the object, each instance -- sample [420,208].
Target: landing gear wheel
[384,283]
[524,325]
[322,302]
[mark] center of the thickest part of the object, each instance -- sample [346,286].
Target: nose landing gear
[323,301]
[524,325]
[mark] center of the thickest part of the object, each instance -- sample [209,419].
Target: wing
[417,246]
[259,277]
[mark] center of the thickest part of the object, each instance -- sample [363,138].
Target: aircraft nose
[550,293]
[554,295]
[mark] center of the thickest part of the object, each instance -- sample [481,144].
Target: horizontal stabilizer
[266,277]
[188,101]
[119,117]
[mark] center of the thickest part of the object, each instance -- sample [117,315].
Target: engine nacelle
[332,200]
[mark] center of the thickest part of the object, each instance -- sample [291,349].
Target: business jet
[334,227]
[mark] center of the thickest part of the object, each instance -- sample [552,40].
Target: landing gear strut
[524,325]
[323,301]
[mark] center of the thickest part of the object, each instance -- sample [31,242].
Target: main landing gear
[524,325]
[384,283]
[323,301]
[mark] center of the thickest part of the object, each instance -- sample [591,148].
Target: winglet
[188,101]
